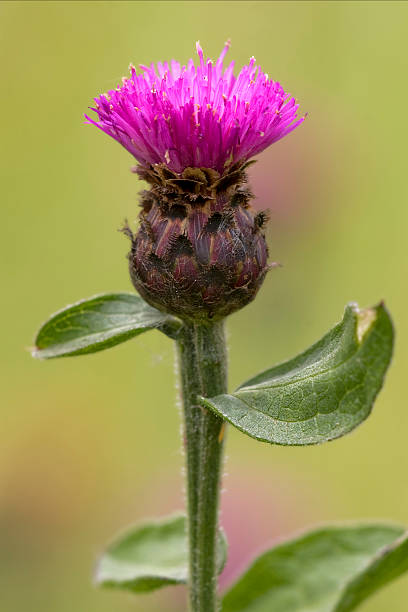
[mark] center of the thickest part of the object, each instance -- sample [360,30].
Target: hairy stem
[203,365]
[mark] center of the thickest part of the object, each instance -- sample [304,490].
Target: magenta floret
[196,116]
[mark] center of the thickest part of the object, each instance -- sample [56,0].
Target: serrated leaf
[321,394]
[151,556]
[328,570]
[96,324]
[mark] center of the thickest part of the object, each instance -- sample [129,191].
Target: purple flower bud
[200,251]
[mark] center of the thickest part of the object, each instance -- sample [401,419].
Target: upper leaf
[150,556]
[321,394]
[328,570]
[97,323]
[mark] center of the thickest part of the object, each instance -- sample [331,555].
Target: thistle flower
[200,251]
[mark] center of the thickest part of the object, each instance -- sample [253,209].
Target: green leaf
[321,394]
[150,556]
[329,570]
[98,323]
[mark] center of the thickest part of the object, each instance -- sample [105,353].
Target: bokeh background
[90,445]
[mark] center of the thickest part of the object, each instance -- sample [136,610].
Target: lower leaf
[150,556]
[332,569]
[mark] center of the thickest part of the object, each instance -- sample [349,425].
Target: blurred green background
[90,445]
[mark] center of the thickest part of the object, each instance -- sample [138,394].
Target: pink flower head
[196,116]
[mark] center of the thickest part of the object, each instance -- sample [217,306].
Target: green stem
[203,364]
